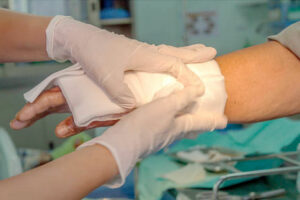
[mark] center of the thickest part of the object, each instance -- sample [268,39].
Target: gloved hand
[105,56]
[152,127]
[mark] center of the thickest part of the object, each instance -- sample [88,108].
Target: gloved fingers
[199,122]
[149,60]
[209,122]
[119,92]
[68,128]
[181,99]
[208,52]
[191,54]
[183,74]
[50,101]
[194,46]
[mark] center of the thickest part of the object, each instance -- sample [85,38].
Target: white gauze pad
[88,102]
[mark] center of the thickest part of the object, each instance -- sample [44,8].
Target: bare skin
[70,177]
[23,37]
[262,83]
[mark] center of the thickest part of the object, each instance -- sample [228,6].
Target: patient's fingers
[50,101]
[68,128]
[17,124]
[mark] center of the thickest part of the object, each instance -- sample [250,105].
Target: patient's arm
[262,82]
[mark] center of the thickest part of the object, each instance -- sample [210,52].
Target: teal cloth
[264,137]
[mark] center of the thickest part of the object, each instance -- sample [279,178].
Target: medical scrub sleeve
[289,37]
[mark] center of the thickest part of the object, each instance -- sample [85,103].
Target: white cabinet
[227,25]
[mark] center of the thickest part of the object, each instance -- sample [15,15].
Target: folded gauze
[89,103]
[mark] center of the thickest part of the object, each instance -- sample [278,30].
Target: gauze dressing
[89,103]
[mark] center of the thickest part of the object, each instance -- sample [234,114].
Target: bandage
[89,103]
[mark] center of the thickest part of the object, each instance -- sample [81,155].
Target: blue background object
[108,3]
[109,12]
[113,13]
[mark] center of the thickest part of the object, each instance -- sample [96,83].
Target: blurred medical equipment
[32,158]
[283,13]
[203,154]
[257,139]
[190,173]
[10,164]
[193,194]
[298,175]
[289,157]
[264,172]
[70,145]
[209,158]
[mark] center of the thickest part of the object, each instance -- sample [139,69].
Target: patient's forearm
[262,83]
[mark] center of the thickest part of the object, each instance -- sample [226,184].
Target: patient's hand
[49,102]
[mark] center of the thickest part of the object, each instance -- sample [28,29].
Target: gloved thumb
[181,99]
[190,54]
[192,123]
[119,92]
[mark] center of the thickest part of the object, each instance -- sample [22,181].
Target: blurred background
[227,25]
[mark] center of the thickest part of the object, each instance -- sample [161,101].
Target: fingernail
[62,131]
[16,124]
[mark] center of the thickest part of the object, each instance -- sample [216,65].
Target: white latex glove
[105,56]
[152,127]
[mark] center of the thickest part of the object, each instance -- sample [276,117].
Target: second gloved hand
[152,127]
[106,56]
